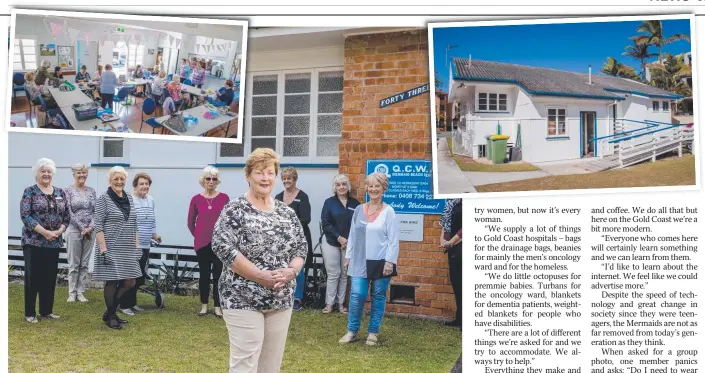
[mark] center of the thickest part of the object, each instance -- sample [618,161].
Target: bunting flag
[56,29]
[102,43]
[138,38]
[47,24]
[178,43]
[88,36]
[73,34]
[171,41]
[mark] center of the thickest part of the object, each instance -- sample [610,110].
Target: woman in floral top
[198,76]
[80,235]
[45,214]
[262,246]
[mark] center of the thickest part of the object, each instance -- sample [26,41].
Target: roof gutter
[536,93]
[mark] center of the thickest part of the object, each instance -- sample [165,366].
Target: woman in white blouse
[373,248]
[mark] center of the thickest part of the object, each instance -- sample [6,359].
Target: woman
[80,235]
[45,217]
[336,218]
[174,88]
[83,76]
[225,95]
[185,70]
[262,246]
[58,74]
[43,74]
[116,255]
[158,86]
[203,212]
[373,248]
[138,73]
[98,74]
[146,231]
[298,201]
[108,84]
[452,243]
[198,75]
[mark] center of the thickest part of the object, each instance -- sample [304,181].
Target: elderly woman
[452,243]
[373,248]
[336,218]
[80,235]
[58,73]
[262,245]
[138,73]
[117,251]
[35,91]
[203,212]
[198,75]
[146,231]
[43,74]
[185,69]
[108,83]
[298,201]
[98,74]
[83,76]
[45,217]
[158,86]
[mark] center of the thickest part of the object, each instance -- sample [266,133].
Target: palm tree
[670,74]
[614,68]
[654,36]
[640,52]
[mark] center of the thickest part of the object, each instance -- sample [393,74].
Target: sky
[570,47]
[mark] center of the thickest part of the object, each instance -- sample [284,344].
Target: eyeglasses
[211,179]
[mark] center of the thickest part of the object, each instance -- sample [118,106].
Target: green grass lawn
[468,164]
[665,172]
[175,339]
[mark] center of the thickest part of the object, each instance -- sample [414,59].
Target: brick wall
[378,66]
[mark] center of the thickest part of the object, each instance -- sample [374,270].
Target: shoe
[204,310]
[81,298]
[127,311]
[342,309]
[137,309]
[121,321]
[51,316]
[218,312]
[371,339]
[327,309]
[348,338]
[71,298]
[113,323]
[297,305]
[31,319]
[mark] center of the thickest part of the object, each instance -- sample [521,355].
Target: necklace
[209,201]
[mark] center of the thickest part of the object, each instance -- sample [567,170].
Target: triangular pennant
[171,41]
[102,43]
[178,43]
[73,34]
[138,38]
[47,24]
[56,29]
[88,36]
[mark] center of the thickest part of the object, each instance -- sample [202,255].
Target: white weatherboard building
[561,115]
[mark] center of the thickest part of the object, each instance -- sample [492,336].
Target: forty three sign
[404,96]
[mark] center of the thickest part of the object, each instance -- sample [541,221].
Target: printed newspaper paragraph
[562,289]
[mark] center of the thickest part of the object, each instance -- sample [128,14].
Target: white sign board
[410,227]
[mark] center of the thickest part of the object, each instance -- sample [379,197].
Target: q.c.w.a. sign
[403,96]
[410,188]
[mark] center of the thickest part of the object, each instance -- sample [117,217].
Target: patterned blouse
[270,240]
[198,76]
[81,207]
[174,90]
[49,211]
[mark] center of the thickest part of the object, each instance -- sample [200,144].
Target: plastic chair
[146,74]
[170,77]
[32,105]
[187,81]
[122,94]
[17,84]
[148,108]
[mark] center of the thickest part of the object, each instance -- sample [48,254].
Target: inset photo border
[564,106]
[190,73]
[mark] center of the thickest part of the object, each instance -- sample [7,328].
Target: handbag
[175,122]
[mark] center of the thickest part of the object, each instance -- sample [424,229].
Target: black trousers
[208,263]
[106,99]
[41,268]
[129,300]
[455,268]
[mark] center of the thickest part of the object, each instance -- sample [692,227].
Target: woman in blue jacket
[336,218]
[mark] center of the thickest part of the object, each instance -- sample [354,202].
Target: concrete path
[451,179]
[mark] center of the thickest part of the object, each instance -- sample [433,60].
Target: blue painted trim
[494,112]
[126,165]
[646,133]
[558,138]
[674,97]
[538,93]
[296,165]
[594,130]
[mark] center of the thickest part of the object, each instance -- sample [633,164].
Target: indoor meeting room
[127,75]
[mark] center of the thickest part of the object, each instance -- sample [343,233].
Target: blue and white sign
[403,96]
[410,186]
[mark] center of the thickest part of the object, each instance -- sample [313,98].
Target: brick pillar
[378,66]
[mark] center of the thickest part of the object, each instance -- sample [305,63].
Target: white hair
[208,171]
[44,163]
[116,170]
[379,177]
[46,64]
[341,178]
[176,78]
[79,167]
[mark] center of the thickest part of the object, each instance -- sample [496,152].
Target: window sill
[492,112]
[551,138]
[125,165]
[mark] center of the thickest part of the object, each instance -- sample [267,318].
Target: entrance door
[588,124]
[105,53]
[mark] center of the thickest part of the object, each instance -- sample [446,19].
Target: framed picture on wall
[66,54]
[47,49]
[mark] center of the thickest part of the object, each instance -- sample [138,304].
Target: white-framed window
[556,121]
[298,113]
[114,150]
[25,53]
[665,106]
[492,101]
[135,55]
[654,105]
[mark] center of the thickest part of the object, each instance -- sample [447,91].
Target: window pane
[17,66]
[264,105]
[268,142]
[17,42]
[297,83]
[296,126]
[296,146]
[28,42]
[483,95]
[330,81]
[232,150]
[551,128]
[330,103]
[266,126]
[561,112]
[330,124]
[327,146]
[264,84]
[503,107]
[18,50]
[112,148]
[298,104]
[482,107]
[30,66]
[17,58]
[30,58]
[551,112]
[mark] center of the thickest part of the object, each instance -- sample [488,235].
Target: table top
[194,90]
[87,125]
[138,82]
[64,99]
[204,125]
